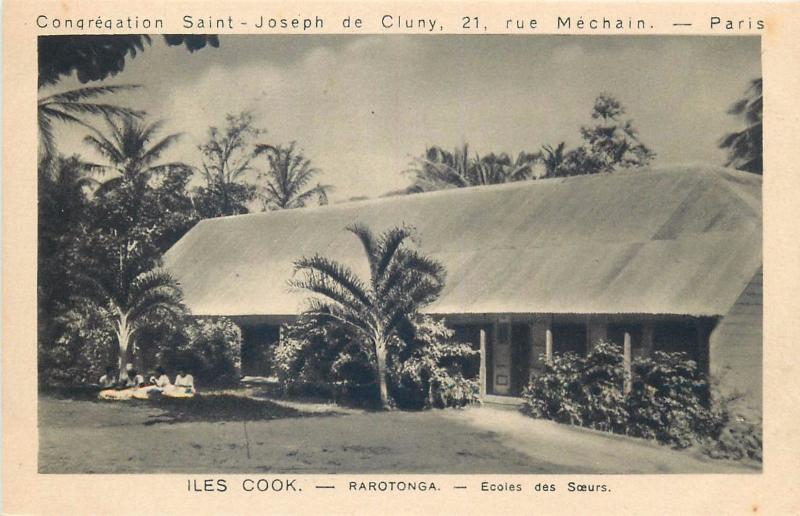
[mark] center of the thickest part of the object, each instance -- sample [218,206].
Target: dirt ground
[120,437]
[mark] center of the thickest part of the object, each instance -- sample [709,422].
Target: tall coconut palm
[288,173]
[401,281]
[745,148]
[130,305]
[131,149]
[73,107]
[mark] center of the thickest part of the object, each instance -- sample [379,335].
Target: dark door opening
[520,358]
[256,344]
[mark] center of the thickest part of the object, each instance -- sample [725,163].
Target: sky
[362,107]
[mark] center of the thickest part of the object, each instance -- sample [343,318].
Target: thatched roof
[670,241]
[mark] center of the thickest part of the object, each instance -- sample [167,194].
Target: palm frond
[388,245]
[368,242]
[88,92]
[337,274]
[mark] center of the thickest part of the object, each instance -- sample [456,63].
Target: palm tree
[745,147]
[73,106]
[129,306]
[496,169]
[439,169]
[132,151]
[553,159]
[288,173]
[401,281]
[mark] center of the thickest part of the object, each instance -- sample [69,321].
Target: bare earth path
[92,437]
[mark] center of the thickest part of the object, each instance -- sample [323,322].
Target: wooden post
[548,346]
[626,363]
[482,372]
[533,362]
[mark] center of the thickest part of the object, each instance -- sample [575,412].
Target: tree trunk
[124,331]
[380,355]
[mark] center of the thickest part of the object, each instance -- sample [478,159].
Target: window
[676,336]
[569,337]
[616,334]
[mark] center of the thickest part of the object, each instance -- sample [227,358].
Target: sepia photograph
[399,254]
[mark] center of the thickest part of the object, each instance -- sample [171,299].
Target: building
[672,257]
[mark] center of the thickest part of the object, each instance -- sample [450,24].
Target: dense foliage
[746,147]
[94,58]
[287,177]
[668,399]
[319,359]
[439,169]
[431,370]
[208,348]
[373,311]
[611,143]
[426,367]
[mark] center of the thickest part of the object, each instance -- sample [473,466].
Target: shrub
[738,438]
[425,367]
[209,348]
[668,402]
[429,371]
[320,360]
[82,346]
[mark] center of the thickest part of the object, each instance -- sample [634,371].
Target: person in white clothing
[108,380]
[134,380]
[160,379]
[184,381]
[183,386]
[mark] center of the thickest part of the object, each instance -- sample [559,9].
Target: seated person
[128,382]
[134,379]
[158,383]
[184,386]
[160,379]
[108,380]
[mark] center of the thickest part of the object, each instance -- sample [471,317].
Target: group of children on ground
[130,384]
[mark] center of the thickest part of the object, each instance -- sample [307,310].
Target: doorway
[510,365]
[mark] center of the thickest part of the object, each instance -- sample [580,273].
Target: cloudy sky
[362,106]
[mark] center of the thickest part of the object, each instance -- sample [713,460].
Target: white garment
[135,382]
[162,381]
[186,381]
[107,381]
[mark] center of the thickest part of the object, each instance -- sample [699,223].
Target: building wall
[736,350]
[648,333]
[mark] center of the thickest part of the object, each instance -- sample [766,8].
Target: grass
[219,407]
[227,432]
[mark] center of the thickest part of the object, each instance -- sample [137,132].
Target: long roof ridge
[715,171]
